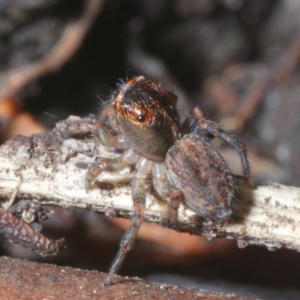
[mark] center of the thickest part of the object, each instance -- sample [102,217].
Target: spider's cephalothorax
[147,117]
[143,120]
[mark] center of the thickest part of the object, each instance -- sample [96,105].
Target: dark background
[238,60]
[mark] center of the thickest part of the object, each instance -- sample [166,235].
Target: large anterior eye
[141,118]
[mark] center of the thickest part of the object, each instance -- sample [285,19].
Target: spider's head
[147,117]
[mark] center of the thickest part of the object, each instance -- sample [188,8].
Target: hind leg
[198,121]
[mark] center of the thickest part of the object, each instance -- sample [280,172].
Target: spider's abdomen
[199,171]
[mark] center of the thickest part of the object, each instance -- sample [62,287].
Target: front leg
[75,127]
[198,121]
[127,242]
[109,165]
[105,165]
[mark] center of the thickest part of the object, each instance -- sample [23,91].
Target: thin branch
[52,167]
[249,105]
[14,80]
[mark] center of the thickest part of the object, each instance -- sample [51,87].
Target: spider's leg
[109,165]
[103,131]
[105,165]
[127,242]
[199,122]
[176,197]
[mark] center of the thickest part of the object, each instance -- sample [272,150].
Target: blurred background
[238,60]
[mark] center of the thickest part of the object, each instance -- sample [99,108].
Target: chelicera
[142,119]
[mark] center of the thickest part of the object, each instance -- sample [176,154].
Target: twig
[53,166]
[14,80]
[249,105]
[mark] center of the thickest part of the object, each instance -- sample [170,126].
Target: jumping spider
[142,120]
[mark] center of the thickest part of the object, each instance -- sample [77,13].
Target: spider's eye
[141,118]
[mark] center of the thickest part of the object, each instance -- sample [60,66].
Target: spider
[142,119]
